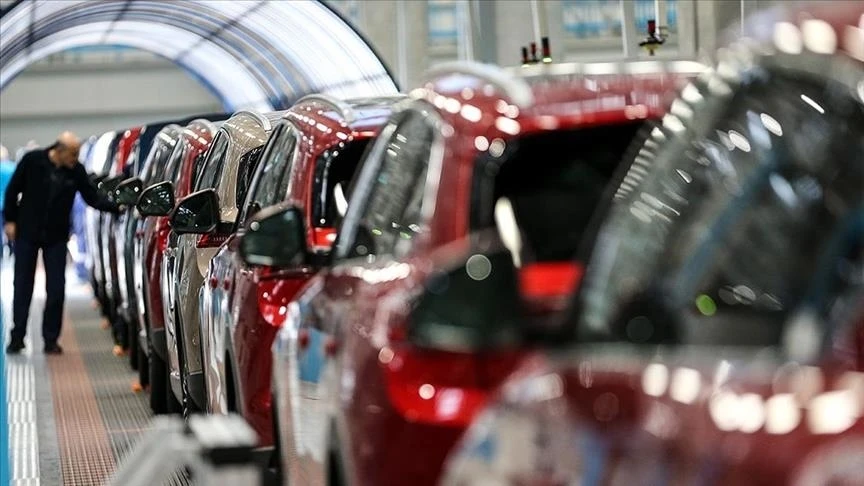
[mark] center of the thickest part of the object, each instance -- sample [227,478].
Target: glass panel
[554,200]
[723,241]
[392,191]
[245,170]
[335,166]
[443,16]
[587,19]
[213,163]
[267,185]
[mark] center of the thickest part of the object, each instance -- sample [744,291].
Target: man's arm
[91,194]
[16,185]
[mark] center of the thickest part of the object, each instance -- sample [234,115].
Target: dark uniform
[43,221]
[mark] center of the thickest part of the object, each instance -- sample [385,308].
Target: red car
[309,158]
[721,324]
[158,200]
[370,391]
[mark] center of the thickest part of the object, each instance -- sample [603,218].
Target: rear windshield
[554,182]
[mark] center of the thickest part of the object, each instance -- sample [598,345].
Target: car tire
[275,464]
[173,405]
[159,386]
[143,368]
[335,467]
[134,355]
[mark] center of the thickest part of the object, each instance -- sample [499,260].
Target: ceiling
[253,54]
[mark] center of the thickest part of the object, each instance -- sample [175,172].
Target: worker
[46,181]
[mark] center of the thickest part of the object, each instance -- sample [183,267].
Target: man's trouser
[54,260]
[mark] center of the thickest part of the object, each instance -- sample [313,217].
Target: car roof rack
[342,107]
[516,89]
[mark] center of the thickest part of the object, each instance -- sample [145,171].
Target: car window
[172,169]
[384,214]
[213,163]
[554,181]
[722,241]
[274,167]
[336,166]
[156,165]
[245,170]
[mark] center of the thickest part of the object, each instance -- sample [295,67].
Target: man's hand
[9,229]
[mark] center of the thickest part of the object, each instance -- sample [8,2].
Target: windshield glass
[172,169]
[723,226]
[554,181]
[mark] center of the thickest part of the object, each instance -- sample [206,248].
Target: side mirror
[469,306]
[109,184]
[156,200]
[197,213]
[275,238]
[128,191]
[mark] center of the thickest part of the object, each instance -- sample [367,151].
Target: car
[110,260]
[146,167]
[718,337]
[152,170]
[222,182]
[361,384]
[102,162]
[154,204]
[124,234]
[308,161]
[95,165]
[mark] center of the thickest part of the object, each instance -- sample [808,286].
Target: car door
[231,279]
[333,314]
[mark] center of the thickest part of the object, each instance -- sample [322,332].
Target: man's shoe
[53,348]
[15,347]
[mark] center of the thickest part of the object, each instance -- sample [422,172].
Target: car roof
[556,95]
[356,114]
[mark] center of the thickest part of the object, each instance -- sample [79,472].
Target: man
[46,181]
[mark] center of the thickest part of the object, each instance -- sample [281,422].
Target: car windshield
[723,221]
[554,181]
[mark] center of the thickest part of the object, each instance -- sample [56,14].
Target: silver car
[227,168]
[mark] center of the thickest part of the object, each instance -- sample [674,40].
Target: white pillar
[629,36]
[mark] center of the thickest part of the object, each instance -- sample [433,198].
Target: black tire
[159,384]
[173,405]
[143,368]
[134,356]
[176,405]
[275,463]
[335,468]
